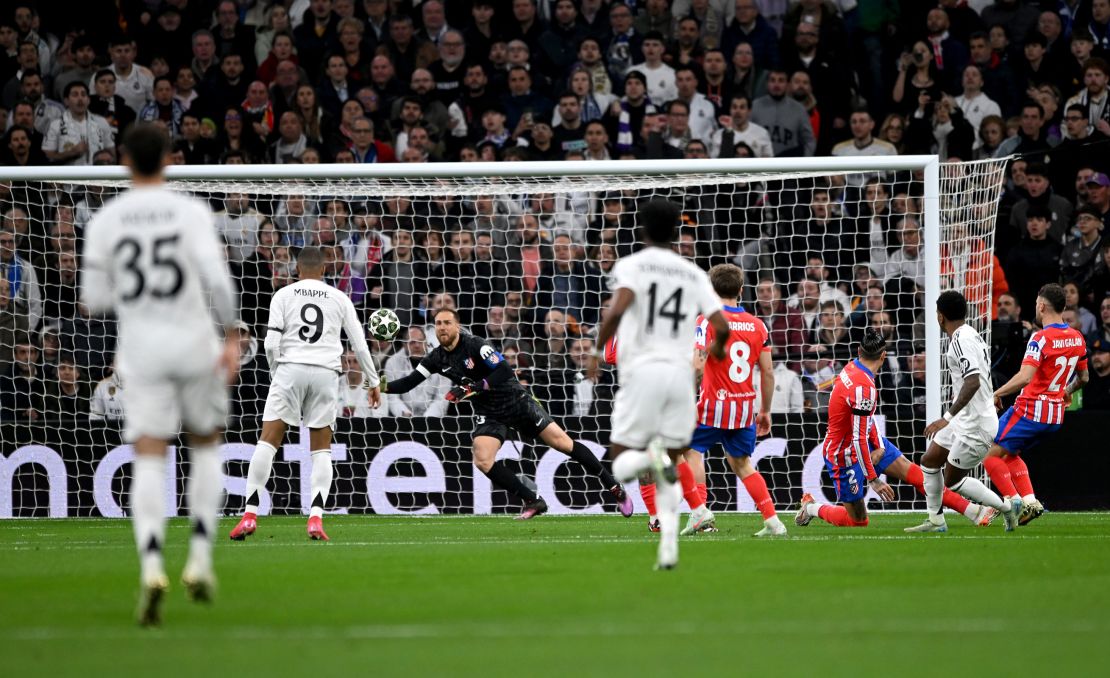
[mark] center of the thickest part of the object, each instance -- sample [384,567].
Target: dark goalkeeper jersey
[471,361]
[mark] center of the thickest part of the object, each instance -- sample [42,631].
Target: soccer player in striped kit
[848,440]
[1053,356]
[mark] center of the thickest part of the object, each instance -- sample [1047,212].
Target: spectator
[205,62]
[238,225]
[83,68]
[334,90]
[785,325]
[593,104]
[291,142]
[569,132]
[281,50]
[906,262]
[19,149]
[862,144]
[427,399]
[737,128]
[365,147]
[1031,140]
[354,395]
[45,111]
[624,44]
[702,119]
[1074,297]
[1100,281]
[23,284]
[163,106]
[1102,331]
[134,83]
[22,389]
[13,324]
[1093,96]
[1077,261]
[1096,394]
[67,395]
[975,105]
[788,397]
[750,28]
[277,23]
[1074,151]
[784,118]
[107,399]
[226,88]
[1035,260]
[564,286]
[660,77]
[655,15]
[1040,194]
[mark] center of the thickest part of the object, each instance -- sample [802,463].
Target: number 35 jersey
[670,292]
[727,399]
[153,257]
[310,315]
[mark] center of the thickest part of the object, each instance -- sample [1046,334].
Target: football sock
[980,493]
[148,512]
[502,477]
[757,490]
[667,497]
[949,499]
[689,486]
[1019,474]
[630,464]
[838,515]
[582,454]
[258,473]
[321,482]
[933,482]
[703,492]
[999,472]
[205,495]
[647,491]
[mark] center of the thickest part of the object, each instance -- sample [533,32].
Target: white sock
[258,473]
[813,510]
[976,491]
[205,500]
[667,498]
[934,494]
[148,512]
[773,522]
[1029,499]
[972,511]
[630,464]
[321,481]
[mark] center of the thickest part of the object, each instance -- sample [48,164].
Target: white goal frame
[929,165]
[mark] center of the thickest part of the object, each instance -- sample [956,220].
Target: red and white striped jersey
[1057,352]
[851,426]
[727,399]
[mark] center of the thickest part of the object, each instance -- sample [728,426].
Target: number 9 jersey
[728,395]
[309,316]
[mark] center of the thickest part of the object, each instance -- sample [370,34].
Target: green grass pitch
[454,596]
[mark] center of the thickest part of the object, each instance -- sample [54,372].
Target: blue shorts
[850,481]
[1016,433]
[738,442]
[891,454]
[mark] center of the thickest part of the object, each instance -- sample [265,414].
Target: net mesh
[525,262]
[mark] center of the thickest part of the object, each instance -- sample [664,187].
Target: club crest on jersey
[469,363]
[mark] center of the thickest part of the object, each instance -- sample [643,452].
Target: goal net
[522,251]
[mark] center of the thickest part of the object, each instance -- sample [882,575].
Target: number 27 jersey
[727,399]
[1057,352]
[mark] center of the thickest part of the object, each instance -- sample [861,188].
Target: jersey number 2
[162,257]
[671,309]
[313,326]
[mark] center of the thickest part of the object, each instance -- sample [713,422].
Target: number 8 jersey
[727,399]
[1057,352]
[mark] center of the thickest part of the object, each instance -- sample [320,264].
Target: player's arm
[1016,383]
[499,373]
[96,281]
[767,392]
[215,277]
[353,328]
[275,328]
[610,320]
[720,334]
[967,392]
[427,367]
[1081,379]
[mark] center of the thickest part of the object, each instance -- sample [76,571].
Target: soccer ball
[384,324]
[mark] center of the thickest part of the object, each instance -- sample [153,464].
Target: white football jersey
[669,292]
[310,316]
[152,256]
[968,357]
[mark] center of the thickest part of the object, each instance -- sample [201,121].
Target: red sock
[916,477]
[648,493]
[689,486]
[703,492]
[838,515]
[1019,473]
[1000,476]
[757,490]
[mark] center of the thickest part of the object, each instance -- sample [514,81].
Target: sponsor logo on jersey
[721,394]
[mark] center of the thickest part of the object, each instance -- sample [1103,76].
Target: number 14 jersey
[727,399]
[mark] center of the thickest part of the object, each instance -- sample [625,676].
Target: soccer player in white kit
[657,296]
[965,433]
[305,353]
[152,256]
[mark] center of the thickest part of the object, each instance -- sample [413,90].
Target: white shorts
[161,407]
[966,448]
[657,401]
[303,393]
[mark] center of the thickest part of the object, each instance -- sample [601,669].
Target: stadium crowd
[382,81]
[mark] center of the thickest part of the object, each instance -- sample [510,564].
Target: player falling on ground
[964,434]
[727,410]
[1053,356]
[305,353]
[848,439]
[152,256]
[501,404]
[656,296]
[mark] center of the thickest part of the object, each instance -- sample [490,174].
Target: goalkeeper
[501,403]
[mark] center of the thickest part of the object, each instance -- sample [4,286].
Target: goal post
[782,219]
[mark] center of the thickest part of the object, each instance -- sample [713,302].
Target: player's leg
[488,438]
[557,438]
[647,493]
[205,492]
[756,486]
[912,474]
[321,479]
[258,474]
[1012,433]
[675,424]
[932,483]
[689,466]
[851,489]
[147,499]
[965,456]
[1019,474]
[668,496]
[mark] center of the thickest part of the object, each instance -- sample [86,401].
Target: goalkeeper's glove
[383,383]
[465,390]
